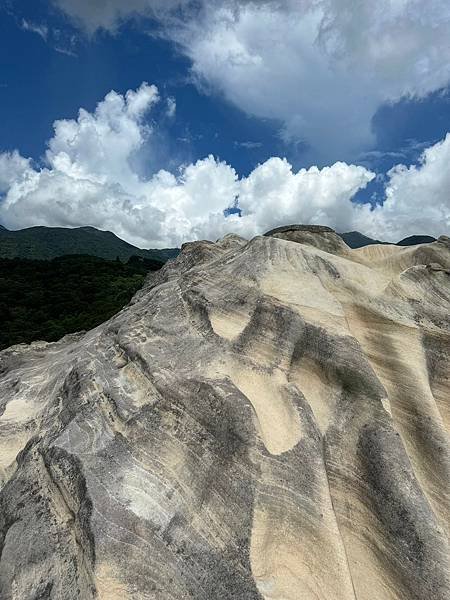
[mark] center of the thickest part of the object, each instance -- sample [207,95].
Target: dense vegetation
[45,243]
[44,300]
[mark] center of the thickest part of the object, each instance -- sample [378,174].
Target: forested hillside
[46,299]
[43,243]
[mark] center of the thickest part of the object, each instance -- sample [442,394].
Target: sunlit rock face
[268,420]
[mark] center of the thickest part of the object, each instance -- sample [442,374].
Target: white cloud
[274,195]
[171,107]
[107,14]
[57,39]
[90,178]
[417,197]
[320,67]
[12,168]
[65,51]
[249,145]
[41,30]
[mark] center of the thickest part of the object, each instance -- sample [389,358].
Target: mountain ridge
[355,239]
[44,243]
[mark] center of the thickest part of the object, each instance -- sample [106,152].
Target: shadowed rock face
[266,420]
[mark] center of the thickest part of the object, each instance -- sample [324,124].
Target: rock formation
[268,419]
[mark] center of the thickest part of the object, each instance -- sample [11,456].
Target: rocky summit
[268,419]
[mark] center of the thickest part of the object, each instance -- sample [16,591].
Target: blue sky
[40,84]
[58,57]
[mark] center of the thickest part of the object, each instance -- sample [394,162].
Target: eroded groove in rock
[266,419]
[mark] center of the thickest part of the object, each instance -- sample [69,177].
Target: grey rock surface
[319,236]
[266,419]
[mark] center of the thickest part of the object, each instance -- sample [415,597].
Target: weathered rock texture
[268,419]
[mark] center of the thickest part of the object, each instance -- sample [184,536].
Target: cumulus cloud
[320,67]
[12,168]
[90,178]
[417,198]
[274,195]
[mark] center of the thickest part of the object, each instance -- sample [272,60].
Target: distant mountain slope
[355,239]
[163,254]
[413,240]
[45,243]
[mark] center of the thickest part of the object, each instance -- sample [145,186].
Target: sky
[173,120]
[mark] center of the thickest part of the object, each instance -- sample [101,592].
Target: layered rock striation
[268,419]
